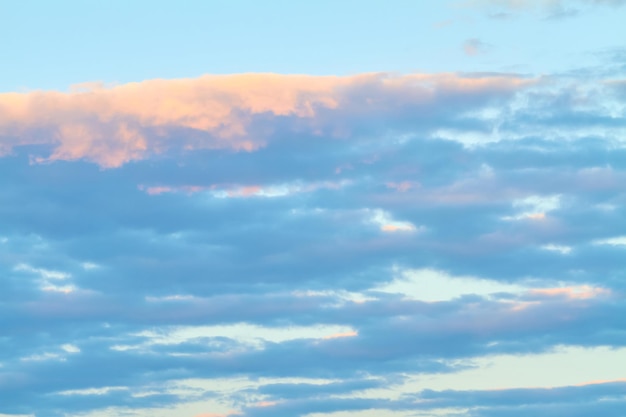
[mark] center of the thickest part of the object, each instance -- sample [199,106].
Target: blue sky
[394,209]
[54,45]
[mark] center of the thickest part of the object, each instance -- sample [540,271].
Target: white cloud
[47,274]
[69,348]
[564,250]
[248,335]
[388,224]
[433,285]
[534,207]
[613,241]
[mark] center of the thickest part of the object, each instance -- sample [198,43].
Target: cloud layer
[301,246]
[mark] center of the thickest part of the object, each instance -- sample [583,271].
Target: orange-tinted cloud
[351,333]
[232,413]
[402,186]
[112,126]
[600,382]
[263,404]
[576,292]
[400,227]
[245,191]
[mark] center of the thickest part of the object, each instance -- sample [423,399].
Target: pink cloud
[229,414]
[112,126]
[341,335]
[401,227]
[402,186]
[581,292]
[158,190]
[541,296]
[601,381]
[245,191]
[163,189]
[264,404]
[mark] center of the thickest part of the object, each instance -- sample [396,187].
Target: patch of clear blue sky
[54,44]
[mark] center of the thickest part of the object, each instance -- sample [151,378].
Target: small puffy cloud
[390,225]
[612,241]
[534,207]
[69,348]
[474,46]
[565,250]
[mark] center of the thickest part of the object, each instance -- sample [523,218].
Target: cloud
[473,47]
[382,247]
[513,5]
[551,9]
[573,400]
[115,125]
[614,3]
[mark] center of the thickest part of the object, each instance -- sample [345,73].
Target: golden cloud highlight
[581,292]
[352,333]
[112,126]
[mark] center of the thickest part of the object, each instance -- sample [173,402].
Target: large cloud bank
[308,246]
[115,125]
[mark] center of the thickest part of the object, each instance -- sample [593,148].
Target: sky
[313,209]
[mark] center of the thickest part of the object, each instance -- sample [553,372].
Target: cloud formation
[292,245]
[115,125]
[550,9]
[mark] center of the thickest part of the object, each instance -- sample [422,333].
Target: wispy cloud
[474,46]
[551,9]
